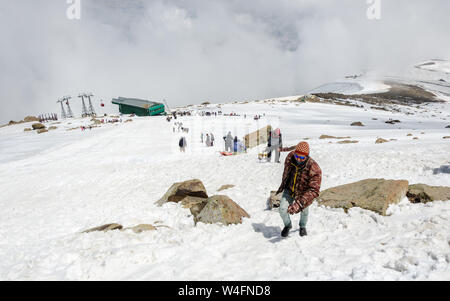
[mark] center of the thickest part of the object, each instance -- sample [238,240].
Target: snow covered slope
[431,76]
[57,184]
[353,86]
[436,65]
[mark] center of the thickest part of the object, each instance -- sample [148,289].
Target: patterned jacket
[303,183]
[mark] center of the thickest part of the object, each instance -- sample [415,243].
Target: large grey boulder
[37,126]
[357,123]
[422,193]
[179,191]
[371,194]
[381,140]
[221,209]
[40,131]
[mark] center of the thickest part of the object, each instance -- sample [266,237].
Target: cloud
[193,51]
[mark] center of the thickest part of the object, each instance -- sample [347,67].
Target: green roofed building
[139,107]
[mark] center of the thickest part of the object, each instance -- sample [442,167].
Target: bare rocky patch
[331,137]
[381,140]
[347,141]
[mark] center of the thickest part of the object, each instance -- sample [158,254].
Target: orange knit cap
[302,149]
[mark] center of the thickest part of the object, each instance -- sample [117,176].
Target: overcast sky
[193,51]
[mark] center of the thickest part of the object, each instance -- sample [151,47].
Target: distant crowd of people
[232,144]
[209,139]
[205,113]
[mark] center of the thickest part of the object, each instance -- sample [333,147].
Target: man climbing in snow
[300,185]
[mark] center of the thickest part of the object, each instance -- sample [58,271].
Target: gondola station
[139,107]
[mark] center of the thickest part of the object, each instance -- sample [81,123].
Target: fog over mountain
[193,51]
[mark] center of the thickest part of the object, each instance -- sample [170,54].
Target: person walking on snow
[240,147]
[182,144]
[274,144]
[208,140]
[300,185]
[212,139]
[228,142]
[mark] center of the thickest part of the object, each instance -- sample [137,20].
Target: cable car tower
[91,107]
[84,111]
[69,110]
[63,112]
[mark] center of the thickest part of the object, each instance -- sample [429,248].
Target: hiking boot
[302,232]
[285,231]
